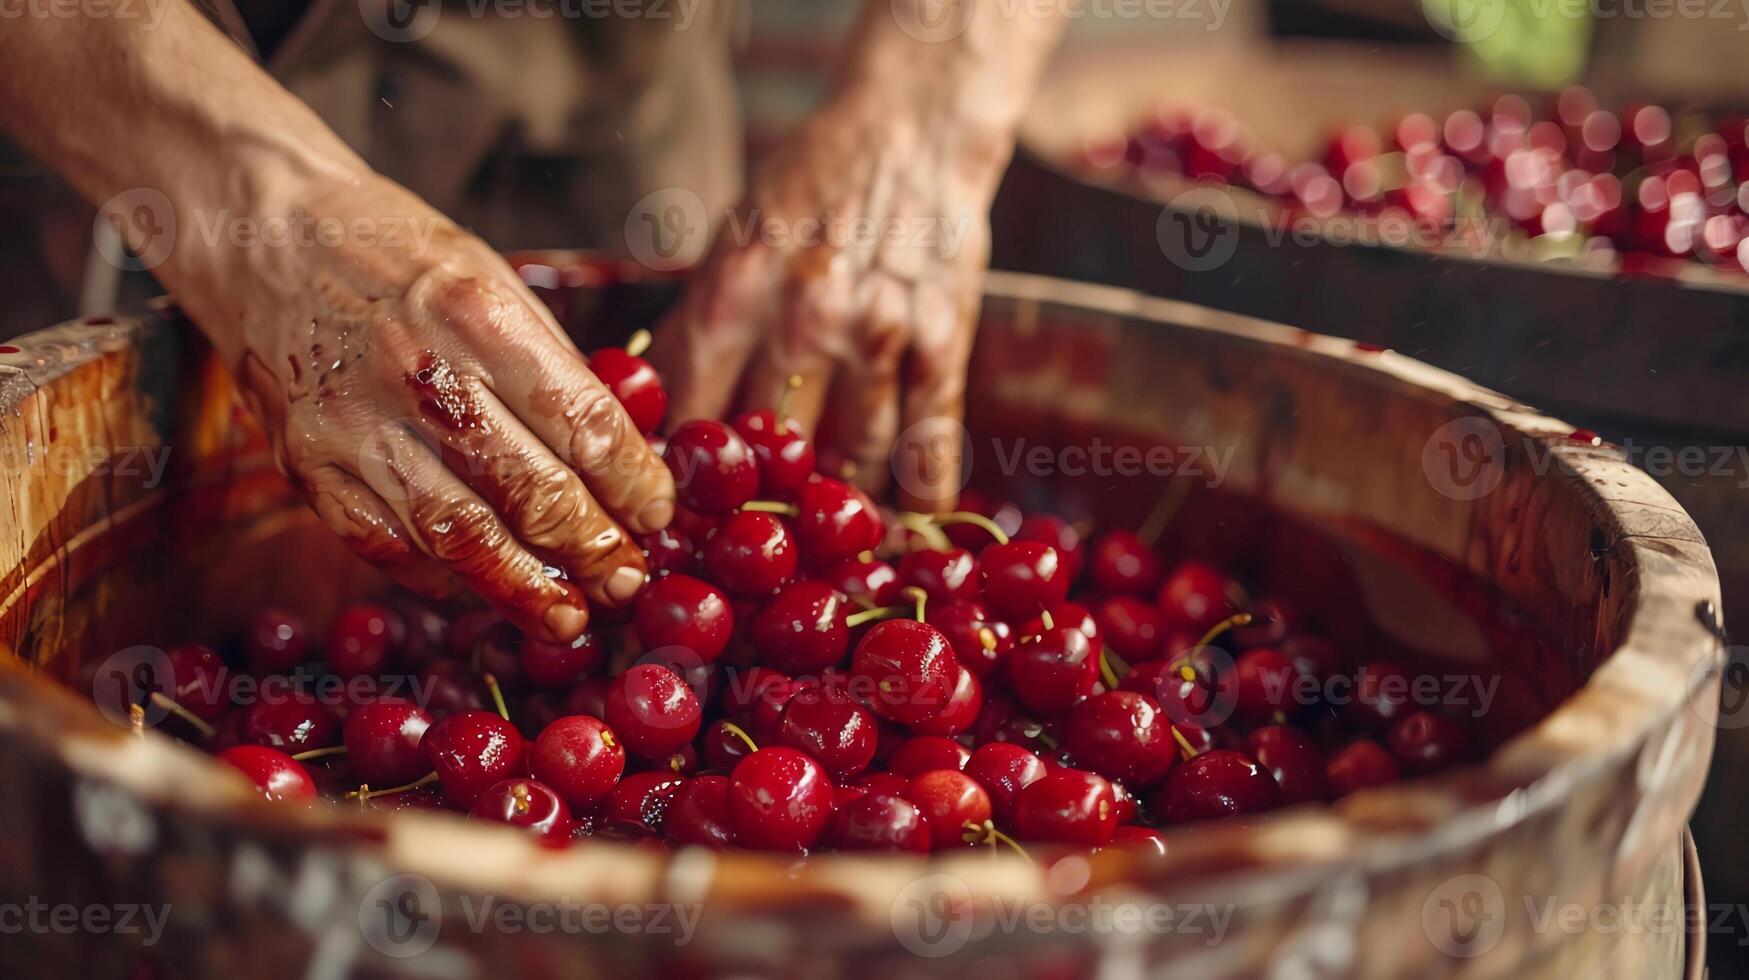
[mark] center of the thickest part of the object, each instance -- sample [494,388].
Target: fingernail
[656,514]
[624,584]
[565,621]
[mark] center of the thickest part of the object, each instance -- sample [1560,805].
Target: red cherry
[779,800]
[1067,806]
[907,669]
[869,581]
[684,613]
[361,641]
[580,758]
[1381,696]
[1313,656]
[276,643]
[669,551]
[1122,564]
[382,742]
[1216,784]
[1265,683]
[943,575]
[1132,627]
[1021,578]
[1195,597]
[786,457]
[964,702]
[470,752]
[1124,736]
[1053,672]
[1059,534]
[723,748]
[699,814]
[1004,769]
[638,806]
[835,522]
[199,678]
[1424,742]
[450,687]
[560,666]
[751,555]
[803,630]
[714,470]
[1004,514]
[949,799]
[652,710]
[1064,614]
[839,733]
[276,775]
[635,383]
[926,752]
[890,783]
[528,804]
[291,721]
[1358,765]
[880,822]
[1272,622]
[1293,759]
[1145,839]
[980,641]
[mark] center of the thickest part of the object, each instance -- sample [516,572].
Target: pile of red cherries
[1640,183]
[805,671]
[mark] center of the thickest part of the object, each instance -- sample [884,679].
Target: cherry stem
[1105,668]
[1237,619]
[1049,622]
[364,792]
[194,720]
[790,384]
[497,695]
[1164,510]
[971,517]
[331,750]
[925,528]
[1184,746]
[771,507]
[639,343]
[741,733]
[677,762]
[917,595]
[878,612]
[986,833]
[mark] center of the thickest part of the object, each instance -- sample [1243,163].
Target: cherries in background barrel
[906,669]
[779,800]
[275,775]
[635,383]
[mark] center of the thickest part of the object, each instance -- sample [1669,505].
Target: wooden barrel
[1551,566]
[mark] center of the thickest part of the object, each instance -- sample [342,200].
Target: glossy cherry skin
[1423,742]
[714,469]
[1382,691]
[560,666]
[802,630]
[869,581]
[786,457]
[1067,806]
[880,822]
[450,687]
[1004,769]
[670,551]
[1189,694]
[980,641]
[1293,759]
[1021,578]
[198,680]
[361,641]
[1004,513]
[276,642]
[471,751]
[1265,684]
[276,775]
[638,806]
[580,758]
[1072,614]
[964,702]
[1053,672]
[1059,534]
[1272,622]
[906,670]
[635,383]
[835,522]
[751,555]
[779,800]
[294,722]
[836,731]
[1194,597]
[653,711]
[1120,563]
[943,575]
[1220,783]
[1132,627]
[1124,736]
[382,742]
[1359,765]
[1144,839]
[949,799]
[527,804]
[699,814]
[924,753]
[686,613]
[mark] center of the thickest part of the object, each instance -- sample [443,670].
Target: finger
[453,525]
[369,526]
[863,416]
[704,344]
[538,497]
[794,368]
[542,379]
[928,457]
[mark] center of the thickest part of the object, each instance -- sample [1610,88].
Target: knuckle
[598,444]
[466,536]
[547,506]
